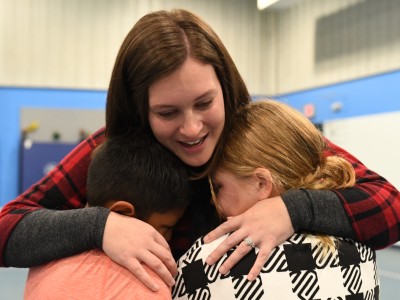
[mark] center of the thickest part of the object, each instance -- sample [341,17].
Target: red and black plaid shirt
[373,205]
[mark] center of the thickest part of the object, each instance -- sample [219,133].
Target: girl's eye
[216,188]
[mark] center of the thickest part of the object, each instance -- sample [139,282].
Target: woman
[272,149]
[174,78]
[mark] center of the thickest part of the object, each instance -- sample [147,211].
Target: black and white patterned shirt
[296,269]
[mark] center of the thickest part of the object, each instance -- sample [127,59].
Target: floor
[12,280]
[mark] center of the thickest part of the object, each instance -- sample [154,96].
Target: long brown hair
[157,45]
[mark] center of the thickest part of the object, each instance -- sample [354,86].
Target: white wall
[362,41]
[373,139]
[60,43]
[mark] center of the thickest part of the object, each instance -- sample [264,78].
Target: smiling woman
[186,112]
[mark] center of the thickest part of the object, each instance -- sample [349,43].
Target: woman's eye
[204,104]
[167,114]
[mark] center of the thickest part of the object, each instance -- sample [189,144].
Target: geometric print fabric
[299,268]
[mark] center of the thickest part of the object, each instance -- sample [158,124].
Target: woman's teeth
[194,143]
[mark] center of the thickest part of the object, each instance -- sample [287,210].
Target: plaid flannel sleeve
[372,205]
[63,188]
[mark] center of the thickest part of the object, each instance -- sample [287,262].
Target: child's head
[136,176]
[273,148]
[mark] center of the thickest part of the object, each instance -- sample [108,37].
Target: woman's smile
[186,112]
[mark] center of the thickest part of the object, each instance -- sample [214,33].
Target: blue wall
[371,95]
[11,101]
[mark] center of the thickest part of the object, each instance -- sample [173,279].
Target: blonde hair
[272,135]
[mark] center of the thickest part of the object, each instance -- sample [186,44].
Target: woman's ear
[123,208]
[264,181]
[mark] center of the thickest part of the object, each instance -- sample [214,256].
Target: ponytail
[334,173]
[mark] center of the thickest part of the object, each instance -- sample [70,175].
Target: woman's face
[235,195]
[186,112]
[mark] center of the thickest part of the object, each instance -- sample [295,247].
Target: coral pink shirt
[90,275]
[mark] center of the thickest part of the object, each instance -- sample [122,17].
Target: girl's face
[186,112]
[235,195]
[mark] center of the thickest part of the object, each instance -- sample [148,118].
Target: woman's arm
[36,239]
[372,205]
[62,189]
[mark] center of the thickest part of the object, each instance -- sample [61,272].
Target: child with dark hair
[134,176]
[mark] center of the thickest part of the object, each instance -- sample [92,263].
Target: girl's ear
[264,181]
[123,208]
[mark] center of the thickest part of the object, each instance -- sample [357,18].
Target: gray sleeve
[45,235]
[318,211]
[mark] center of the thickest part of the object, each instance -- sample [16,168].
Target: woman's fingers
[230,225]
[165,255]
[136,268]
[164,264]
[241,251]
[267,223]
[231,241]
[262,258]
[131,242]
[158,266]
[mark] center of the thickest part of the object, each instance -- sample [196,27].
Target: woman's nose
[191,126]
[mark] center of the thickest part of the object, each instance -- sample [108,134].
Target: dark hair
[157,45]
[138,169]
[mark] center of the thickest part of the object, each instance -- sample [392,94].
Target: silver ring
[249,242]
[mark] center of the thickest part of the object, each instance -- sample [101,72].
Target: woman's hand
[131,242]
[267,223]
